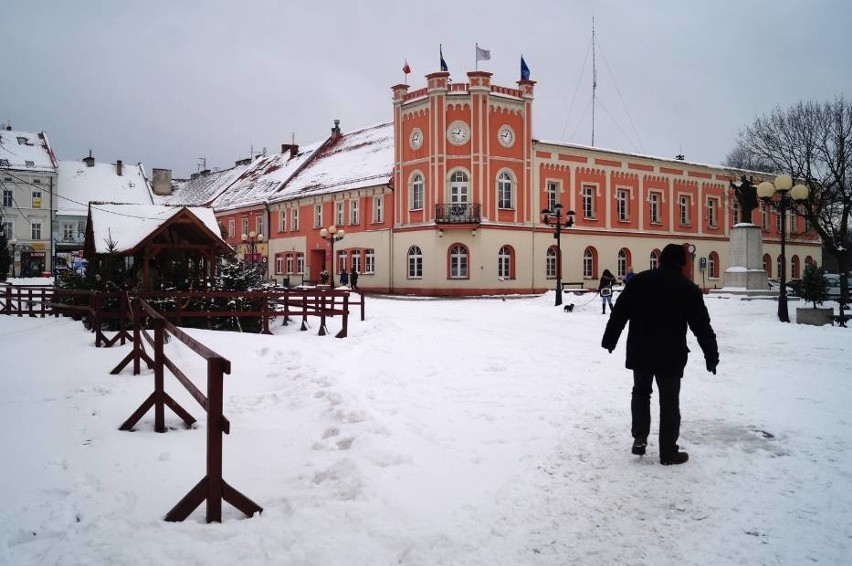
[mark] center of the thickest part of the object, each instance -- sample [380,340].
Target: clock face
[458,133]
[506,136]
[416,139]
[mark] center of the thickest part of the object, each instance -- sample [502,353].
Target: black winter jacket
[660,304]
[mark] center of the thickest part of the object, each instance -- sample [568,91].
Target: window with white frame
[712,212]
[341,261]
[552,194]
[290,261]
[35,230]
[354,214]
[68,232]
[338,213]
[7,197]
[294,221]
[622,260]
[505,190]
[458,188]
[713,265]
[369,260]
[317,216]
[683,208]
[654,199]
[8,229]
[378,209]
[588,194]
[622,204]
[458,262]
[232,227]
[416,199]
[550,263]
[258,225]
[355,261]
[504,263]
[654,260]
[282,220]
[300,263]
[415,262]
[245,224]
[36,199]
[279,264]
[588,264]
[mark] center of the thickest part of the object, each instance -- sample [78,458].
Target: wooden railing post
[345,329]
[159,390]
[7,301]
[214,441]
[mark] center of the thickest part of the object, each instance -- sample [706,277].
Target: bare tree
[812,142]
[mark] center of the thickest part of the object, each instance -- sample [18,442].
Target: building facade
[28,180]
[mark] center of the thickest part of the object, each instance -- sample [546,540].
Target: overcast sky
[167,82]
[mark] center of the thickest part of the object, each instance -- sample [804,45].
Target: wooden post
[159,390]
[214,441]
[345,316]
[266,314]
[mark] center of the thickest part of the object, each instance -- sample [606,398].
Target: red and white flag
[405,68]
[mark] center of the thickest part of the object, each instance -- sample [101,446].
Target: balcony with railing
[458,213]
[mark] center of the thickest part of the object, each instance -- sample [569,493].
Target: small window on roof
[4,162]
[22,140]
[29,163]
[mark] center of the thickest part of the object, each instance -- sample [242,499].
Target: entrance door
[459,197]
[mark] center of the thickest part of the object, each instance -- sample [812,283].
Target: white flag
[482,54]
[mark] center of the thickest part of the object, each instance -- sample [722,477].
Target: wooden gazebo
[157,237]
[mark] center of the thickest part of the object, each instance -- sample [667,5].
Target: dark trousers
[668,386]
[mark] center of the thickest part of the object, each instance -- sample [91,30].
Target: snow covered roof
[202,189]
[127,225]
[363,158]
[263,178]
[78,185]
[26,151]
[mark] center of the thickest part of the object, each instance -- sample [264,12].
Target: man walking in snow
[660,304]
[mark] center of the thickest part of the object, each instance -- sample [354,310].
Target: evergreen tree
[814,286]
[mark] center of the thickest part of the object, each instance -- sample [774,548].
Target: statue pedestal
[746,273]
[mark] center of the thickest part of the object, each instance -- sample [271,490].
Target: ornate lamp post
[14,243]
[332,234]
[782,196]
[252,239]
[554,218]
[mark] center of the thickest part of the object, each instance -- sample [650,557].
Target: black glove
[711,366]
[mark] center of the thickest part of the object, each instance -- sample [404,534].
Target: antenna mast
[594,80]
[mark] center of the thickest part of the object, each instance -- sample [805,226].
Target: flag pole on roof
[525,71]
[405,70]
[482,55]
[443,63]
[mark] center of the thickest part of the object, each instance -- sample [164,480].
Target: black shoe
[639,445]
[674,459]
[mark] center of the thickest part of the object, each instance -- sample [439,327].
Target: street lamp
[554,218]
[787,197]
[252,239]
[332,234]
[14,243]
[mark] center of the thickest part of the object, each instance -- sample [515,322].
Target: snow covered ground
[441,432]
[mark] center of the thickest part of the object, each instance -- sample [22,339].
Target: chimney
[89,161]
[291,147]
[162,184]
[205,172]
[335,131]
[118,166]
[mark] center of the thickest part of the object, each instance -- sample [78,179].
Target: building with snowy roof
[28,181]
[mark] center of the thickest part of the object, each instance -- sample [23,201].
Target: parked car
[794,287]
[833,280]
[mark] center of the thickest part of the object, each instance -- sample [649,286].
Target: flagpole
[476,57]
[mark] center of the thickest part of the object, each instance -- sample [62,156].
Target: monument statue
[747,196]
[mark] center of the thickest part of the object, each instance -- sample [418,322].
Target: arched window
[779,266]
[809,260]
[458,257]
[654,259]
[767,265]
[505,191]
[623,262]
[506,263]
[415,263]
[590,263]
[416,197]
[795,267]
[550,265]
[713,265]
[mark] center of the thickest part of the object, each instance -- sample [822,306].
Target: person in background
[660,304]
[344,278]
[628,277]
[605,289]
[353,279]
